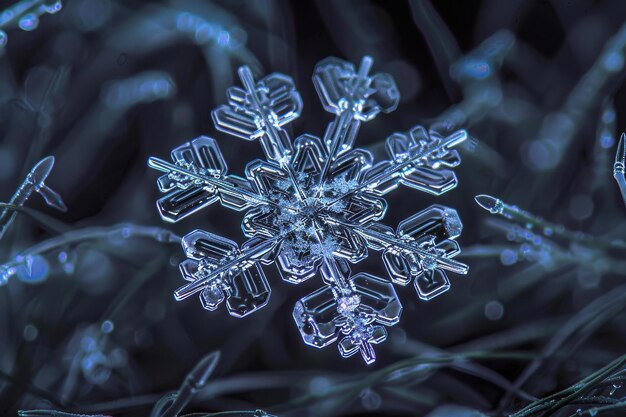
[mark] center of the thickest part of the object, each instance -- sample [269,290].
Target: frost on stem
[313,206]
[33,183]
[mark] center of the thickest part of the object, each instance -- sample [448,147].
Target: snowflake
[313,206]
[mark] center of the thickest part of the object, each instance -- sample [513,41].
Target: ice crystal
[313,207]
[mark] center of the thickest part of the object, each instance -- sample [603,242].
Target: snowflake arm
[416,160]
[197,178]
[219,270]
[259,111]
[618,166]
[354,98]
[358,313]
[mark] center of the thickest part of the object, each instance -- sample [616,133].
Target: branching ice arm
[217,182]
[412,161]
[393,242]
[354,97]
[346,121]
[244,260]
[618,166]
[370,234]
[270,128]
[274,133]
[333,274]
[347,301]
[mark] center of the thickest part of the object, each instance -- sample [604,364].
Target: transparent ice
[314,206]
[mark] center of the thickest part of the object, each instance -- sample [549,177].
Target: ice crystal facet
[313,207]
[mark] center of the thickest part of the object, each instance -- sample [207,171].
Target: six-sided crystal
[313,206]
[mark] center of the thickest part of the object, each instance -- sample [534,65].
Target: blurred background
[87,319]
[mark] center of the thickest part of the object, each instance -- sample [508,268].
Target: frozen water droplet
[319,386]
[107,327]
[494,310]
[508,257]
[30,332]
[34,269]
[614,62]
[28,22]
[370,399]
